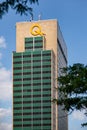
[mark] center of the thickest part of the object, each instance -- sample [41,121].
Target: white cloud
[0,59]
[5,113]
[2,42]
[79,115]
[5,84]
[0,55]
[5,126]
[0,64]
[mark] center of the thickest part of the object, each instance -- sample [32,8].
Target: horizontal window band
[26,56]
[17,62]
[26,73]
[37,55]
[25,102]
[30,67]
[38,41]
[29,90]
[28,47]
[34,84]
[24,79]
[29,61]
[30,119]
[44,124]
[26,108]
[27,42]
[33,41]
[27,96]
[30,113]
[38,47]
[17,56]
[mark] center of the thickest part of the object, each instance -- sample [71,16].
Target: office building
[40,53]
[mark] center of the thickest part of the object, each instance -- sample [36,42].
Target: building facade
[40,53]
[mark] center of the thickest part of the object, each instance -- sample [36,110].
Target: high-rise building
[40,53]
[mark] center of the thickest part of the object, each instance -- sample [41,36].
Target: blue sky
[72,18]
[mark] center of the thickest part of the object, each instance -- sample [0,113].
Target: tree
[20,6]
[73,88]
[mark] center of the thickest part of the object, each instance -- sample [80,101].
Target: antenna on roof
[39,16]
[31,17]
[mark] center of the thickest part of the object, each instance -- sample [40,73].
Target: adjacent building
[40,53]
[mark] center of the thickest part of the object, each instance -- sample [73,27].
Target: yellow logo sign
[36,30]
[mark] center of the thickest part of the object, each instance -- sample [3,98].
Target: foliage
[20,6]
[73,88]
